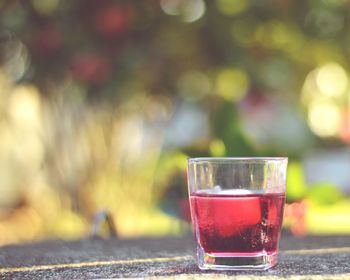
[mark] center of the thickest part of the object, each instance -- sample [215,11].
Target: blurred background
[102,102]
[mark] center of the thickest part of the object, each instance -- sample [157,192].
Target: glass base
[235,261]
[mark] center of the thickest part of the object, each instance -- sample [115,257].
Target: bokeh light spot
[24,106]
[217,148]
[14,58]
[188,10]
[324,118]
[280,34]
[324,22]
[243,31]
[275,34]
[45,7]
[310,89]
[332,80]
[232,7]
[232,84]
[193,85]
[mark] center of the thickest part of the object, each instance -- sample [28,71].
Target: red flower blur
[296,213]
[112,19]
[345,126]
[92,68]
[46,41]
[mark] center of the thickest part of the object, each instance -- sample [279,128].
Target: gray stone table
[326,257]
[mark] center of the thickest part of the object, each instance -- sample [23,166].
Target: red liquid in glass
[237,224]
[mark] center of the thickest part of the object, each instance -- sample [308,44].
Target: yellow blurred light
[232,7]
[69,225]
[318,52]
[6,234]
[232,84]
[332,80]
[280,35]
[262,36]
[310,90]
[243,31]
[45,7]
[25,105]
[49,207]
[217,148]
[330,219]
[295,40]
[273,34]
[31,153]
[188,10]
[194,85]
[324,118]
[150,223]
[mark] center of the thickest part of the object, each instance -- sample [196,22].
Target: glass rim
[236,159]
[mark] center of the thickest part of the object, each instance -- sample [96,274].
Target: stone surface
[170,258]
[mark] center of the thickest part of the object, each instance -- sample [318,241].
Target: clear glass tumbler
[237,210]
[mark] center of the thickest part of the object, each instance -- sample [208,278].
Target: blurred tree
[124,84]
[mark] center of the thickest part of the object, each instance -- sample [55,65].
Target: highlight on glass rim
[103,102]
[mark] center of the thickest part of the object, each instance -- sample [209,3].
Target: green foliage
[325,193]
[296,189]
[226,124]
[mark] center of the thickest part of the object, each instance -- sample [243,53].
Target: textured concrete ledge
[170,258]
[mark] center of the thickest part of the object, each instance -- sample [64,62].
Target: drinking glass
[237,210]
